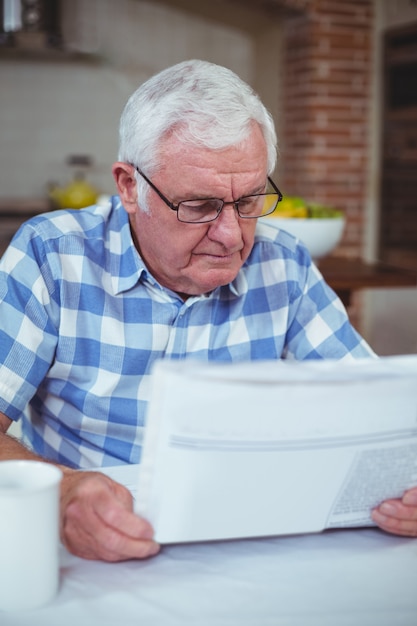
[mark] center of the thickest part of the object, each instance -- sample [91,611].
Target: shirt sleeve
[28,320]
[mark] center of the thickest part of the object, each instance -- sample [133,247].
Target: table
[348,275]
[356,577]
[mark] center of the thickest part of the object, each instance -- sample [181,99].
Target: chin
[216,279]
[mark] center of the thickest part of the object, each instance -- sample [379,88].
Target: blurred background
[339,77]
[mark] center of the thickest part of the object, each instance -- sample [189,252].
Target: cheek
[173,243]
[248,236]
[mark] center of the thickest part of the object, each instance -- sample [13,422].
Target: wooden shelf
[47,55]
[15,211]
[16,207]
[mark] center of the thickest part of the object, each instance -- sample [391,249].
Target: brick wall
[327,81]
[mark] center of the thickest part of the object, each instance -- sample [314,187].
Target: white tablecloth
[337,578]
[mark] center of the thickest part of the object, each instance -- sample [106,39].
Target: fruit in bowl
[319,227]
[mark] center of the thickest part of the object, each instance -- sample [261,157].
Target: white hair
[206,104]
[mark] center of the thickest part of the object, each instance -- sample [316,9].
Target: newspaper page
[271,448]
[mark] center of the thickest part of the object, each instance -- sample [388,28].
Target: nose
[226,228]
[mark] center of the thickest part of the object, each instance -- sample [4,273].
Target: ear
[124,175]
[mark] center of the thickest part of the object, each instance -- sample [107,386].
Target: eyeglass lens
[208,210]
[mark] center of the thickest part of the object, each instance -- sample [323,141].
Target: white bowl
[320,235]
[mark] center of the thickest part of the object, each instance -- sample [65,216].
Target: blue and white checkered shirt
[82,321]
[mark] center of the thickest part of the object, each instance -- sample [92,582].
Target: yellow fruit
[77,195]
[291,207]
[296,207]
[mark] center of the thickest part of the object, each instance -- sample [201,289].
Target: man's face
[192,259]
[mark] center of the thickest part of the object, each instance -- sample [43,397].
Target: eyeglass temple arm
[156,190]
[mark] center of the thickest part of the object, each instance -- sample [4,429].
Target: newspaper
[271,448]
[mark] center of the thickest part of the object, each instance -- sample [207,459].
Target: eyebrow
[260,189]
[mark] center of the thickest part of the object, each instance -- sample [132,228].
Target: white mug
[29,534]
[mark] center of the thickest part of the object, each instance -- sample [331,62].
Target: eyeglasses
[202,210]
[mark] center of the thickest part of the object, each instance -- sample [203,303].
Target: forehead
[190,168]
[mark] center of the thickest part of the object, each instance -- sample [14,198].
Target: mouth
[220,256]
[220,259]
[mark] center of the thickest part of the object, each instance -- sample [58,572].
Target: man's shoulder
[271,242]
[277,257]
[53,229]
[78,222]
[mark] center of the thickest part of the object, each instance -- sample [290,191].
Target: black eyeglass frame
[175,208]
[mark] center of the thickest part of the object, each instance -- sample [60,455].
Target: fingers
[98,522]
[398,516]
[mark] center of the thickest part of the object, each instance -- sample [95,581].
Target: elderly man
[178,265]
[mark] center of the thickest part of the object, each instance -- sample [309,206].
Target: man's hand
[98,522]
[398,516]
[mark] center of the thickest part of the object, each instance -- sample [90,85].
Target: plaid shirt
[82,321]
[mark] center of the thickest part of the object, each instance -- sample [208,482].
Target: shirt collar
[126,266]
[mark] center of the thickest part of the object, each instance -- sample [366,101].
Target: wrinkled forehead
[184,137]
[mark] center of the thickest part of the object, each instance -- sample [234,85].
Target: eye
[248,203]
[201,205]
